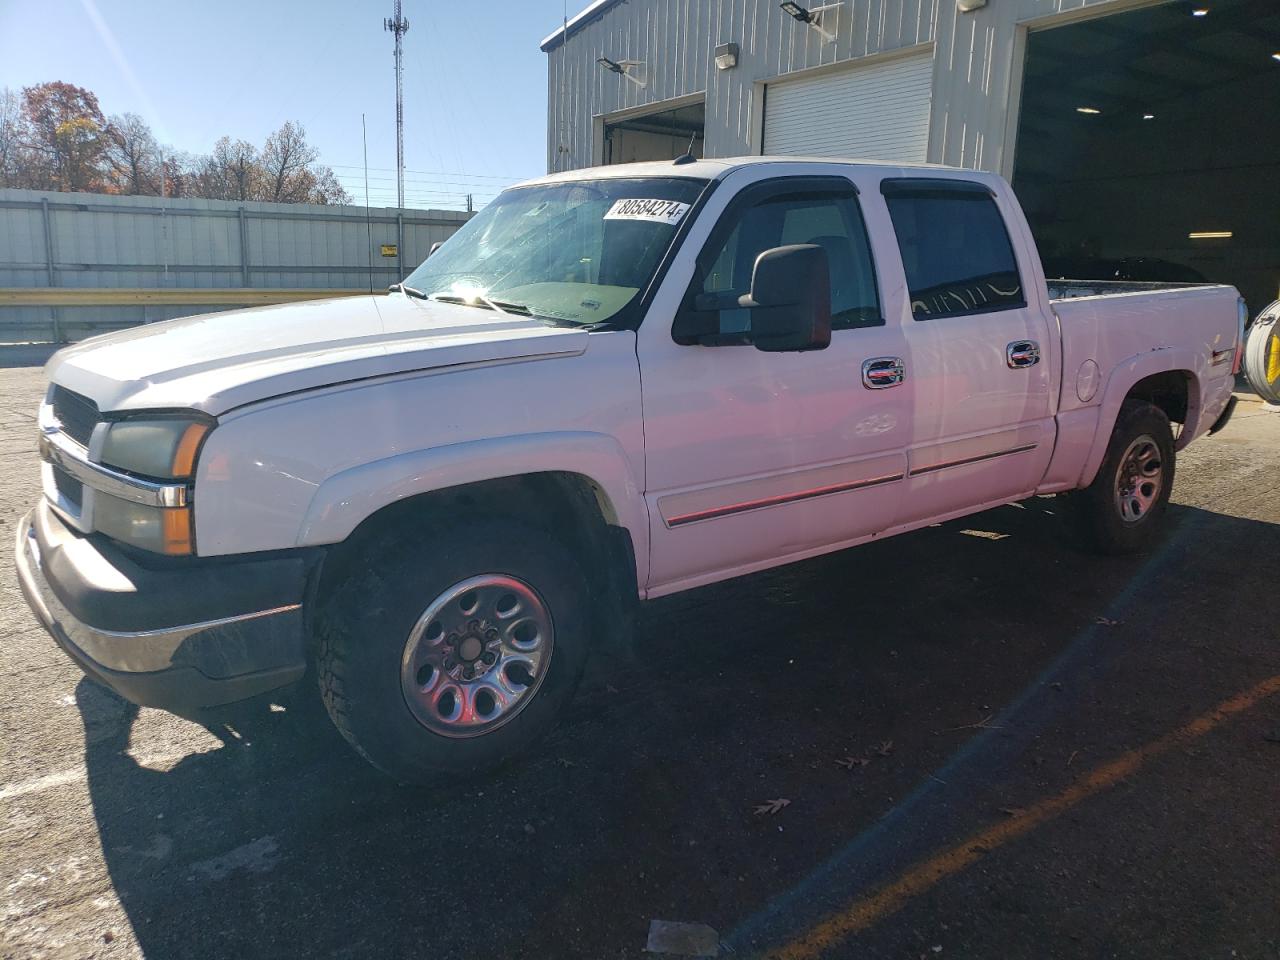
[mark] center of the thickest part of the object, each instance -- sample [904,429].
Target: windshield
[578,252]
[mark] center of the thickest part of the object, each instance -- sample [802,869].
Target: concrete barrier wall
[121,246]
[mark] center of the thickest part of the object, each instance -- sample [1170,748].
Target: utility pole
[399,26]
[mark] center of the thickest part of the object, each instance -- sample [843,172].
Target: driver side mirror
[789,306]
[790,299]
[435,246]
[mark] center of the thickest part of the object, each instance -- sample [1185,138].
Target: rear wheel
[454,647]
[1123,510]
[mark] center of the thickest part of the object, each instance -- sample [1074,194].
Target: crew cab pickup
[610,385]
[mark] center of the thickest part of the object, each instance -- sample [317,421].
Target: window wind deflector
[809,184]
[921,188]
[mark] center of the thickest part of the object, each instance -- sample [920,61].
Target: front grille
[70,488]
[77,415]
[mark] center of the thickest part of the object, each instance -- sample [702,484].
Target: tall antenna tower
[399,26]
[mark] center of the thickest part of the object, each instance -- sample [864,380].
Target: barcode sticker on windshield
[655,211]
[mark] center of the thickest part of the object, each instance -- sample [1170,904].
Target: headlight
[164,449]
[161,449]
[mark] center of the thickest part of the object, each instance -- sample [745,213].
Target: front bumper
[179,637]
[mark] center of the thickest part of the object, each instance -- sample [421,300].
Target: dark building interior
[1141,133]
[656,136]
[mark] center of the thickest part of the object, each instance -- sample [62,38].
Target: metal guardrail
[121,296]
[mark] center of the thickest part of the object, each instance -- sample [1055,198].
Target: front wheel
[1123,510]
[454,647]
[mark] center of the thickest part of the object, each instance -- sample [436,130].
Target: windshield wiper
[480,300]
[504,307]
[407,291]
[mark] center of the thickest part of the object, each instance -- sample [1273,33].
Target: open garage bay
[1148,146]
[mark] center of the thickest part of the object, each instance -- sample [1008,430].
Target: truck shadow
[282,843]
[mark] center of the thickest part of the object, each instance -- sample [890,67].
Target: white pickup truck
[610,385]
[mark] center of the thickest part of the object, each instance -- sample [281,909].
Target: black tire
[1257,351]
[367,622]
[1095,513]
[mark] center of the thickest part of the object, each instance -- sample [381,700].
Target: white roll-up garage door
[876,112]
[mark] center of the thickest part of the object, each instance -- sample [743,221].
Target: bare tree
[10,139]
[231,172]
[133,155]
[327,189]
[286,163]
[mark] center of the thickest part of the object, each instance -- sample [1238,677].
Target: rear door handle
[880,373]
[1022,353]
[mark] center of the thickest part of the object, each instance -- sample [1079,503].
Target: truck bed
[1192,327]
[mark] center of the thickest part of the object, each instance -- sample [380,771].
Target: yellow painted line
[1273,359]
[920,878]
[118,296]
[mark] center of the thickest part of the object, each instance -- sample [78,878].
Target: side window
[829,219]
[955,248]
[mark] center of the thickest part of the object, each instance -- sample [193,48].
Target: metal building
[1141,135]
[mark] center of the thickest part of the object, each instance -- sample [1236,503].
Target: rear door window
[955,248]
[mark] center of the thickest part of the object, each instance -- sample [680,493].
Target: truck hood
[218,361]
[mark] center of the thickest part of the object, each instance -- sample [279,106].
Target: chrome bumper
[182,667]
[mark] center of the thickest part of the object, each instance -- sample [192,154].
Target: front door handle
[879,373]
[1022,353]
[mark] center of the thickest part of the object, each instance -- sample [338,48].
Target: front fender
[346,499]
[1122,379]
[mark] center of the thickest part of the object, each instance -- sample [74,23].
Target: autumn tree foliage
[62,137]
[54,136]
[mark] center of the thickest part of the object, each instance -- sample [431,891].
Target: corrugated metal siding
[875,112]
[973,74]
[676,39]
[111,241]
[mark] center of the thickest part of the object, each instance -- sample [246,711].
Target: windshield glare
[578,252]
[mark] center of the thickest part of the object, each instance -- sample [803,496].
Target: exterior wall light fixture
[631,70]
[815,17]
[726,56]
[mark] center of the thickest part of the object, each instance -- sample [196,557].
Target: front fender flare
[346,499]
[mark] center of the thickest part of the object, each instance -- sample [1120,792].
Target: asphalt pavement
[990,745]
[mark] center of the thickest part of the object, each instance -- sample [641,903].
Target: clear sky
[475,81]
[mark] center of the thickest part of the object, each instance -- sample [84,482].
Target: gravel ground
[985,670]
